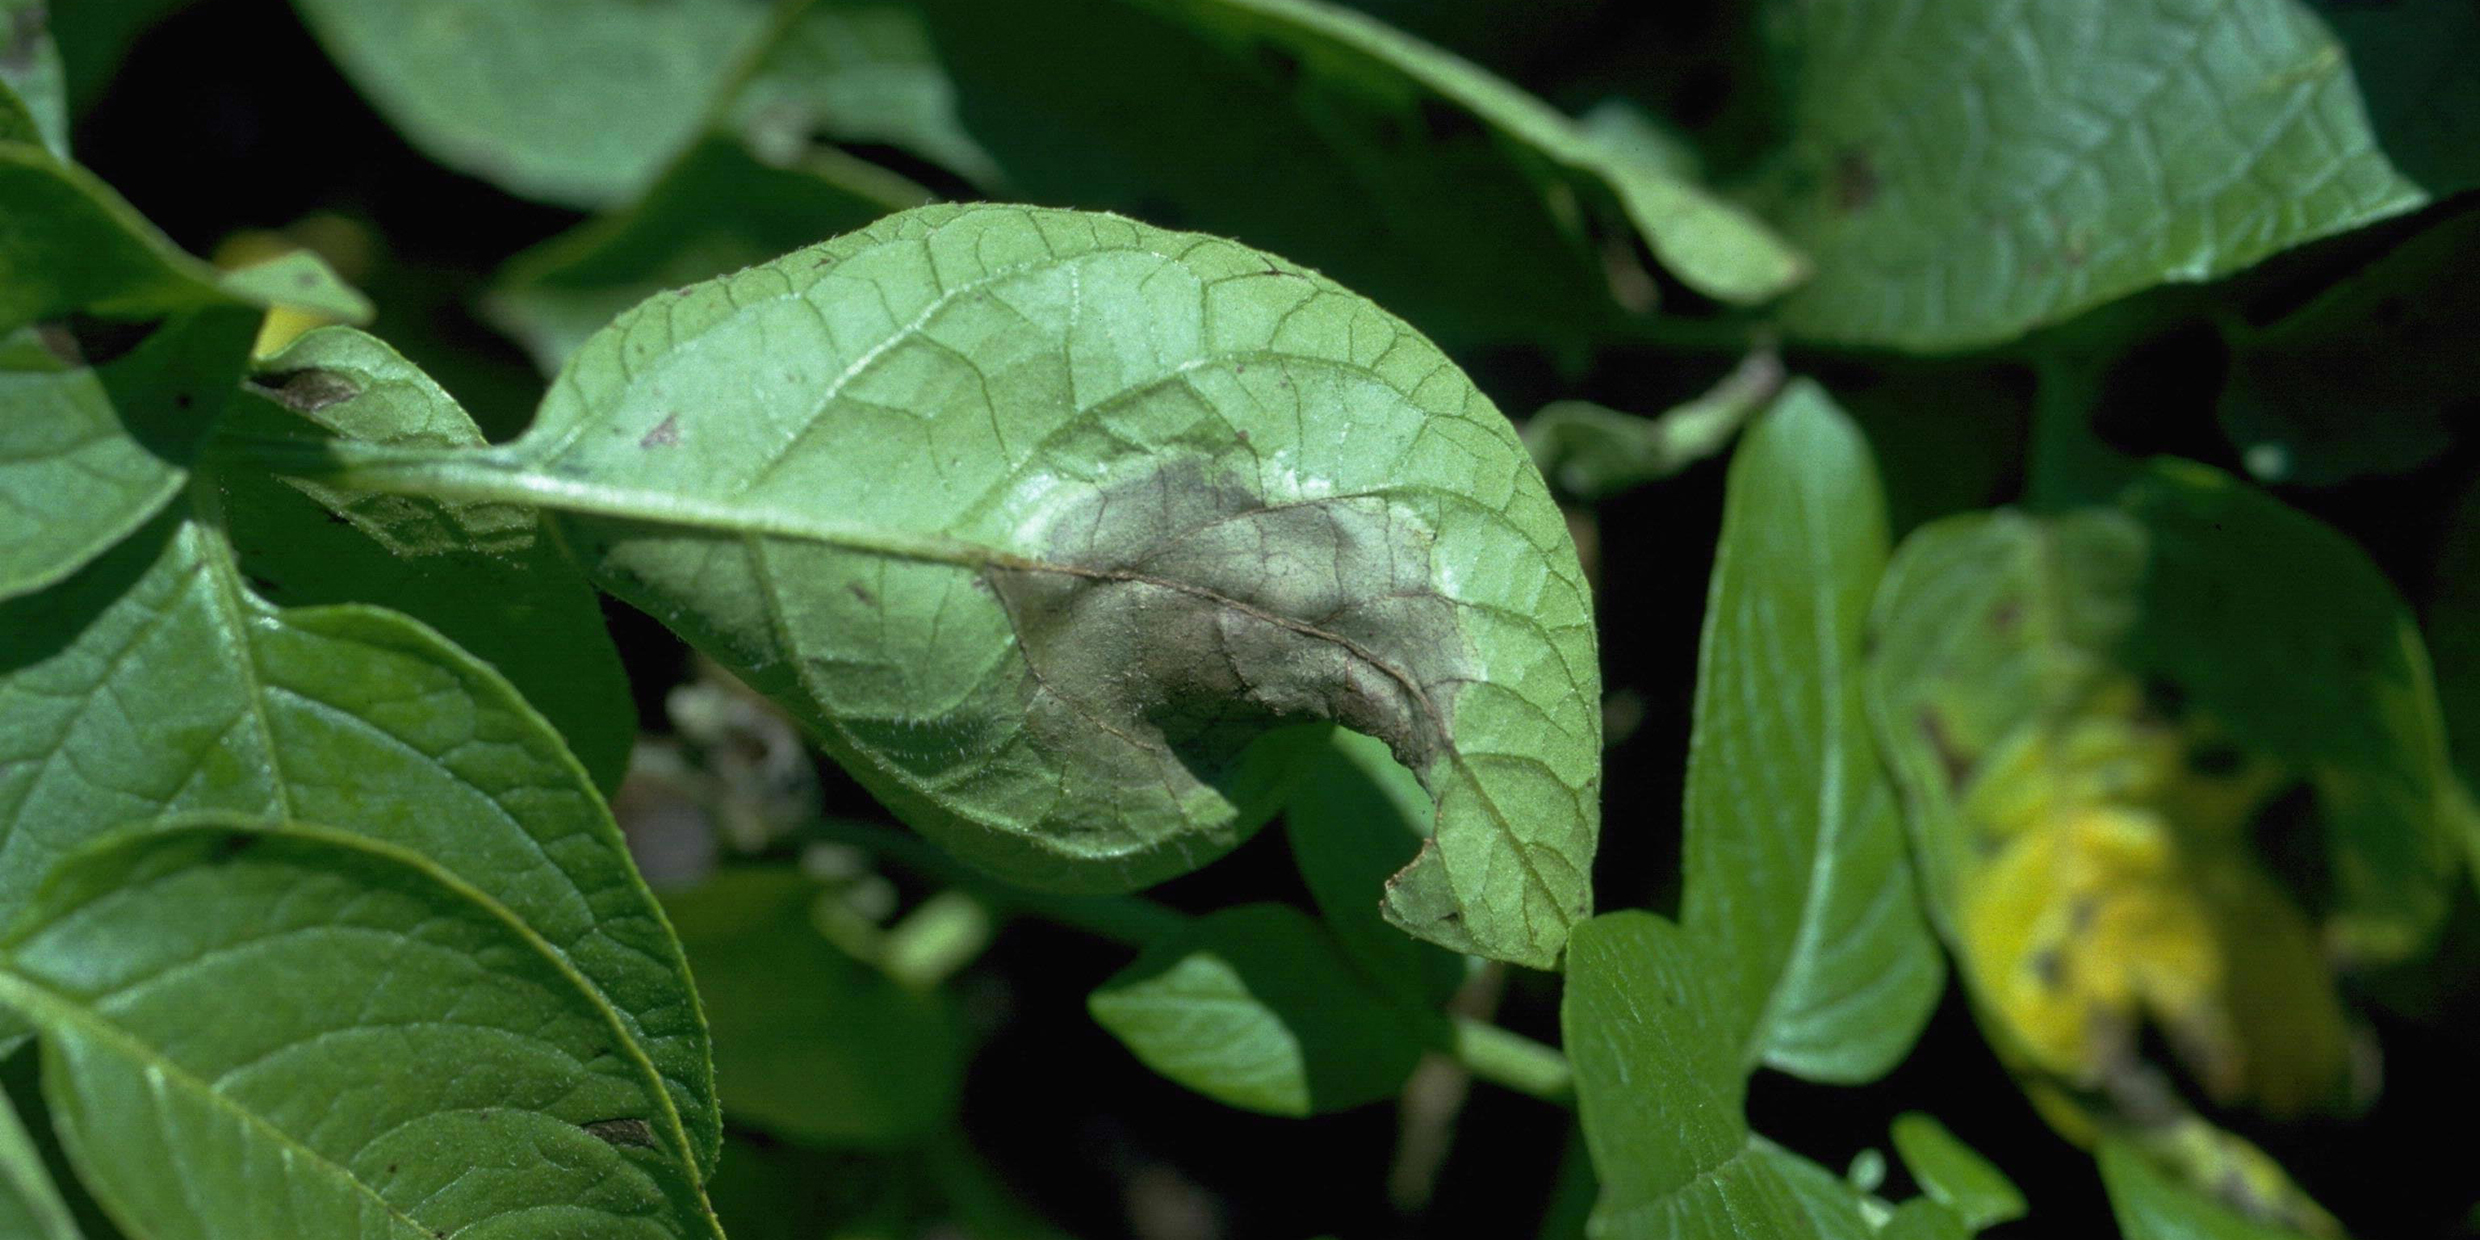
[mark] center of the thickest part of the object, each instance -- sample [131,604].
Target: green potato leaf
[577,102]
[1795,851]
[1039,519]
[1320,133]
[1924,1219]
[1660,1087]
[72,245]
[1963,172]
[293,1031]
[30,1204]
[1954,1175]
[857,71]
[489,577]
[715,209]
[153,683]
[100,432]
[811,1044]
[1257,1007]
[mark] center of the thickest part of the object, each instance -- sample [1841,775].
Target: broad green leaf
[2151,1205]
[1795,852]
[2239,584]
[1325,135]
[489,577]
[1660,1086]
[1963,172]
[2361,379]
[1954,1174]
[854,71]
[577,102]
[811,1044]
[1040,518]
[98,431]
[1355,816]
[153,683]
[30,1204]
[303,1032]
[1257,1007]
[716,209]
[33,107]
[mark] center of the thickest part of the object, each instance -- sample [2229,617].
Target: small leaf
[855,71]
[299,280]
[30,1205]
[810,1044]
[1922,1219]
[1954,1174]
[713,210]
[2150,1205]
[489,577]
[1660,1088]
[1592,452]
[1965,172]
[154,683]
[1395,155]
[1354,817]
[1795,853]
[1257,1007]
[102,424]
[256,1032]
[1040,519]
[577,102]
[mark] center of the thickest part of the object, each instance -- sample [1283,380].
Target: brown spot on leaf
[306,391]
[665,433]
[626,1133]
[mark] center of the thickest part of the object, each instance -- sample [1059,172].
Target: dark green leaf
[30,1205]
[1795,853]
[1039,519]
[489,577]
[1954,1174]
[1256,1006]
[811,1044]
[577,102]
[99,424]
[714,210]
[1962,172]
[302,1032]
[2240,585]
[1356,816]
[153,683]
[1320,133]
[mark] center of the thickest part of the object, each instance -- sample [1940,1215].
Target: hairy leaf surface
[1962,172]
[154,683]
[1040,519]
[1795,852]
[429,1066]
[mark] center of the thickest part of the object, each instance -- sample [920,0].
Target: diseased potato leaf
[1039,519]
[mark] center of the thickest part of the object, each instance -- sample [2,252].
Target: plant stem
[1506,1058]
